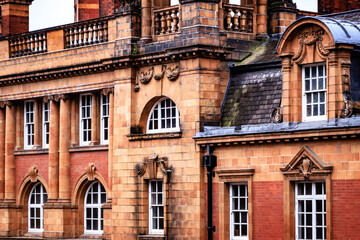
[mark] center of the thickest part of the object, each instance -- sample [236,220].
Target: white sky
[50,13]
[307,5]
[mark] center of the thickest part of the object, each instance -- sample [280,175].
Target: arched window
[94,199]
[37,198]
[164,117]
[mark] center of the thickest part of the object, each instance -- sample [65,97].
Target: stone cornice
[27,2]
[106,65]
[300,136]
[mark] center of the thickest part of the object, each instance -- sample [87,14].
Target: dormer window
[314,92]
[164,117]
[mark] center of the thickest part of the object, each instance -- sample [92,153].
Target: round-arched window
[94,199]
[37,198]
[164,117]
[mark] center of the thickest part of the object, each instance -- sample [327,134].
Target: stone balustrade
[28,44]
[238,18]
[167,20]
[86,33]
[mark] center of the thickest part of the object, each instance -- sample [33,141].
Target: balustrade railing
[167,20]
[238,18]
[86,33]
[28,44]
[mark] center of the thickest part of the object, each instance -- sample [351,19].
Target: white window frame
[94,205]
[159,117]
[43,199]
[29,125]
[319,117]
[104,118]
[174,2]
[45,124]
[244,211]
[87,119]
[156,205]
[313,198]
[235,2]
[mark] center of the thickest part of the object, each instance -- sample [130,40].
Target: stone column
[74,123]
[146,20]
[37,124]
[19,126]
[10,174]
[64,155]
[111,137]
[2,152]
[54,151]
[95,120]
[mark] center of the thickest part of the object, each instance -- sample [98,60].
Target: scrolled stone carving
[141,169]
[160,75]
[310,37]
[347,111]
[90,171]
[276,116]
[173,73]
[145,76]
[136,87]
[33,173]
[126,5]
[148,169]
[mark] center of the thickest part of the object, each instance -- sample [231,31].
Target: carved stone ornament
[276,116]
[128,5]
[90,171]
[305,164]
[145,76]
[160,75]
[347,110]
[173,73]
[33,173]
[313,35]
[3,104]
[107,91]
[151,166]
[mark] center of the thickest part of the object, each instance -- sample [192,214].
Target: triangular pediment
[306,163]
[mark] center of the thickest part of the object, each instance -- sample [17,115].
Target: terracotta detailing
[10,173]
[2,152]
[54,152]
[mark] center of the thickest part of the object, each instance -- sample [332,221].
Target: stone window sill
[152,237]
[91,236]
[139,137]
[31,151]
[88,148]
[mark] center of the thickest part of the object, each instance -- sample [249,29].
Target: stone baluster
[250,23]
[175,20]
[163,23]
[228,19]
[236,19]
[157,23]
[168,21]
[243,21]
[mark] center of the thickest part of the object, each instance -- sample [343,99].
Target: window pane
[243,230]
[313,71]
[307,85]
[307,72]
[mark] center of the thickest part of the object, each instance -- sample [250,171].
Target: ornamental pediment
[306,164]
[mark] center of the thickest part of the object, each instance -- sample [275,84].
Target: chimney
[86,10]
[14,16]
[281,14]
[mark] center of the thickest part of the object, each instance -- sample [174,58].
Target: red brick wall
[108,7]
[268,210]
[23,163]
[80,160]
[11,25]
[332,6]
[87,9]
[345,209]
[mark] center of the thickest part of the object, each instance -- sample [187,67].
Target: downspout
[210,162]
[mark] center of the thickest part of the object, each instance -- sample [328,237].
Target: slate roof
[252,95]
[264,53]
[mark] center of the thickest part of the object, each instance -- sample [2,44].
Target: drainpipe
[210,163]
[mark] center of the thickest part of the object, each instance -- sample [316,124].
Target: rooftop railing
[167,20]
[238,18]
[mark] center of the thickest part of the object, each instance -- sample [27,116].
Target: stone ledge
[139,137]
[152,237]
[88,148]
[31,151]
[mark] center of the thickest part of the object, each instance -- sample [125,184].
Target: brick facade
[102,80]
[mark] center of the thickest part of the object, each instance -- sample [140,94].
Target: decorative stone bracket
[33,173]
[90,171]
[145,76]
[152,167]
[305,164]
[276,115]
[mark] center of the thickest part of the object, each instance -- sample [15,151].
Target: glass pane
[88,213]
[315,98]
[315,110]
[88,224]
[308,206]
[308,98]
[319,206]
[321,83]
[308,110]
[301,206]
[318,219]
[307,85]
[103,198]
[237,230]
[37,223]
[321,71]
[37,212]
[161,211]
[155,223]
[235,191]
[300,189]
[308,220]
[308,233]
[242,190]
[322,109]
[322,97]
[313,84]
[95,213]
[313,71]
[301,232]
[32,223]
[301,219]
[243,217]
[160,197]
[32,212]
[243,230]
[161,223]
[319,234]
[95,225]
[307,72]
[242,204]
[153,198]
[236,217]
[235,204]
